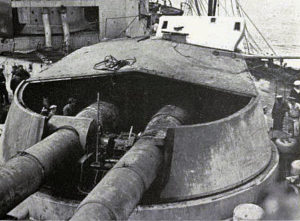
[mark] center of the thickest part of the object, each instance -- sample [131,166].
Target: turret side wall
[217,156]
[23,128]
[215,207]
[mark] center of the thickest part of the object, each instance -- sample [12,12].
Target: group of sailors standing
[289,110]
[18,75]
[68,110]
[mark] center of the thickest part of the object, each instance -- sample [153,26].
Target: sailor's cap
[53,106]
[297,83]
[279,96]
[71,100]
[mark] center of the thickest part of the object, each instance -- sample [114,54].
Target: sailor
[53,109]
[14,80]
[3,91]
[295,92]
[46,107]
[265,111]
[70,108]
[155,26]
[278,112]
[293,113]
[23,73]
[18,75]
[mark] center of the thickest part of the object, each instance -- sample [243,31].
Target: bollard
[247,211]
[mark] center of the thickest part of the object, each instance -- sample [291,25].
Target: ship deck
[35,56]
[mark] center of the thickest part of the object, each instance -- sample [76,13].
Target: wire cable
[232,8]
[125,29]
[256,28]
[251,37]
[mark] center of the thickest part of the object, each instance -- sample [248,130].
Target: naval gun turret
[206,148]
[27,171]
[122,188]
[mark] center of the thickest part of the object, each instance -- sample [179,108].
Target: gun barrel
[24,174]
[118,193]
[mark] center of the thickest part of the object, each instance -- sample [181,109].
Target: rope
[190,8]
[127,26]
[232,8]
[194,11]
[197,7]
[256,28]
[110,63]
[251,37]
[251,45]
[247,44]
[175,48]
[204,11]
[206,8]
[238,8]
[226,12]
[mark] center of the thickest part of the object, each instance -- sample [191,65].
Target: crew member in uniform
[70,108]
[3,91]
[18,75]
[46,107]
[294,114]
[53,109]
[295,92]
[278,112]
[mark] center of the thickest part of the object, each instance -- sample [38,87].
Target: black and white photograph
[150,110]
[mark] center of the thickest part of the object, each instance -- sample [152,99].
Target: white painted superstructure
[209,31]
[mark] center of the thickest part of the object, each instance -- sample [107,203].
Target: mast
[212,7]
[215,7]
